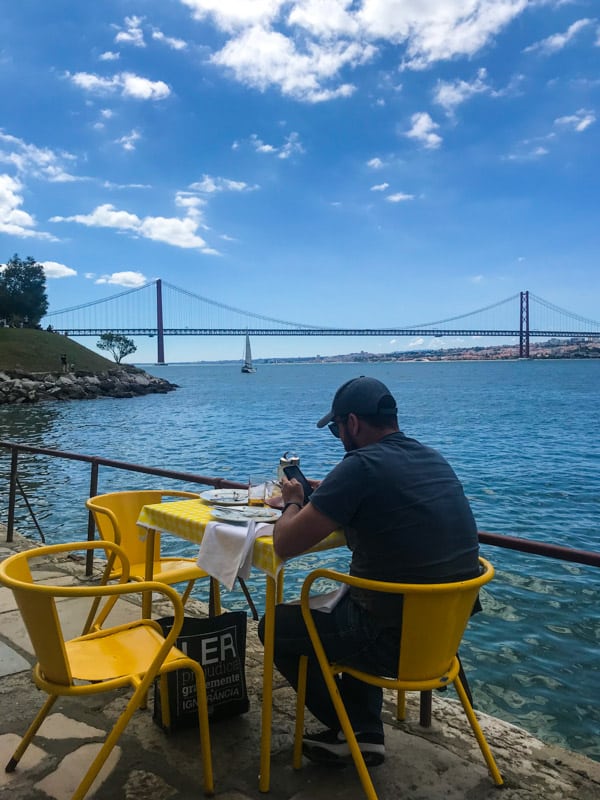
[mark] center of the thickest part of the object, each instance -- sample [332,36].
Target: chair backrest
[434,619]
[116,515]
[37,605]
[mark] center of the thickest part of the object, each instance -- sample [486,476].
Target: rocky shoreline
[18,386]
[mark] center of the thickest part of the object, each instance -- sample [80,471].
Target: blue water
[522,436]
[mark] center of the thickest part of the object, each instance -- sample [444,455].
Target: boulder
[17,386]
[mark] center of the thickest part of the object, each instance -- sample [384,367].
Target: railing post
[91,531]
[12,494]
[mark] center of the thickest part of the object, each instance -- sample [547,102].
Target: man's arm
[298,530]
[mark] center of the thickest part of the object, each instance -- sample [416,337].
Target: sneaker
[330,747]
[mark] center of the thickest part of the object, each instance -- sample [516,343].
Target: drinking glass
[256,491]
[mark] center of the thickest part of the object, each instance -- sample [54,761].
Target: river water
[522,436]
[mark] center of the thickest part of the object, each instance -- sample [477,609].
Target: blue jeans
[349,635]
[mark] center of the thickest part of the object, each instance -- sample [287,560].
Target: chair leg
[188,590]
[31,732]
[481,740]
[401,705]
[209,788]
[357,756]
[300,701]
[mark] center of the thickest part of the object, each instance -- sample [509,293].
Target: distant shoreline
[553,350]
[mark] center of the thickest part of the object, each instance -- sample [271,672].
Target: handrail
[496,540]
[95,462]
[541,548]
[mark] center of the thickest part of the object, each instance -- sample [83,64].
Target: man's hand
[292,491]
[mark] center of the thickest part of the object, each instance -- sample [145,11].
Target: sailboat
[247,365]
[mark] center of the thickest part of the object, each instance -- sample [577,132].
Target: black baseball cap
[362,396]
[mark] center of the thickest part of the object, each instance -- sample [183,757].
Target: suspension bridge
[160,309]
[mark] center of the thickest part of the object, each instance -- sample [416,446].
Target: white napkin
[226,550]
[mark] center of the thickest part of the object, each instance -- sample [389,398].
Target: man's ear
[352,424]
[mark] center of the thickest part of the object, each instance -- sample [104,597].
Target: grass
[39,351]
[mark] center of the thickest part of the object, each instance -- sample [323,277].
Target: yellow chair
[132,654]
[116,515]
[434,618]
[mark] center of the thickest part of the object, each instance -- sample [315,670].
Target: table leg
[149,574]
[264,777]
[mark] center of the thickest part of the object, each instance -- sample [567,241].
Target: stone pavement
[422,764]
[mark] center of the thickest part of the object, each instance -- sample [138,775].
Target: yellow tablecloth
[187,519]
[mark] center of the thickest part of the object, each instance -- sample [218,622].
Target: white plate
[246,513]
[226,497]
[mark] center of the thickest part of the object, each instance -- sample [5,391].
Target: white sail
[247,365]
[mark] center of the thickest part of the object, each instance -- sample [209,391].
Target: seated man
[406,519]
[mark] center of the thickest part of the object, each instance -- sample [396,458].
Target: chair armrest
[342,577]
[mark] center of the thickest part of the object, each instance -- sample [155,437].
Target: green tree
[23,299]
[117,344]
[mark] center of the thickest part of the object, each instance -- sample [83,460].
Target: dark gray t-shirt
[405,516]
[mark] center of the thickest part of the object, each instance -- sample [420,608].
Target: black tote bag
[219,645]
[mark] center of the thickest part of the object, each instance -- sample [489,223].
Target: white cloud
[302,46]
[423,130]
[131,33]
[291,145]
[210,185]
[230,15]
[142,88]
[438,30]
[380,187]
[556,42]
[174,44]
[375,163]
[108,55]
[129,279]
[528,152]
[578,122]
[38,162]
[13,220]
[127,83]
[450,94]
[128,141]
[176,231]
[325,17]
[399,197]
[53,269]
[263,58]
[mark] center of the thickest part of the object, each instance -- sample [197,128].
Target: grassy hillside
[39,351]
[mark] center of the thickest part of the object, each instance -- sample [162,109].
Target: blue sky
[354,164]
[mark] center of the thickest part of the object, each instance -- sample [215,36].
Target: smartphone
[295,472]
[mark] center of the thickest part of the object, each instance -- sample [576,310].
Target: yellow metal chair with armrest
[132,654]
[434,618]
[116,515]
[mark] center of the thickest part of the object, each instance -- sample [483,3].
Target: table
[187,519]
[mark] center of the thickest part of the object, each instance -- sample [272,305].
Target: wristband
[287,505]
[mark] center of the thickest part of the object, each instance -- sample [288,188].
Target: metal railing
[95,462]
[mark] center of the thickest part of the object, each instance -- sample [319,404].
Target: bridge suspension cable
[235,310]
[464,316]
[563,311]
[99,302]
